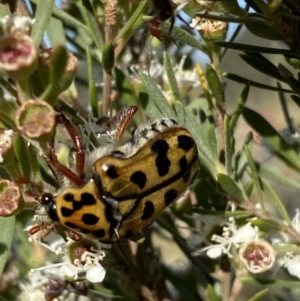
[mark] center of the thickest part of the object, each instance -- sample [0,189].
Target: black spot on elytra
[162,161]
[184,165]
[87,199]
[111,171]
[139,178]
[148,211]
[99,233]
[69,197]
[90,219]
[160,146]
[66,212]
[185,142]
[170,196]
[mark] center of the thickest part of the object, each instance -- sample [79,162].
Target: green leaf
[229,145]
[182,36]
[258,295]
[21,152]
[7,224]
[157,98]
[276,177]
[266,130]
[56,32]
[276,201]
[261,64]
[230,187]
[212,142]
[199,135]
[93,95]
[56,75]
[245,81]
[253,48]
[268,225]
[256,179]
[92,23]
[270,283]
[239,108]
[215,85]
[42,18]
[174,87]
[265,31]
[248,188]
[134,21]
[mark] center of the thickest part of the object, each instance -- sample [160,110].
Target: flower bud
[258,256]
[10,198]
[35,118]
[18,55]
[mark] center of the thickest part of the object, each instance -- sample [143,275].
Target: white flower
[292,263]
[231,237]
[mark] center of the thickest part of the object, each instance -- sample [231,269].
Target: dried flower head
[210,30]
[18,55]
[258,256]
[5,142]
[35,118]
[10,198]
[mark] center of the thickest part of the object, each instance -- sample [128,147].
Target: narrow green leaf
[258,295]
[239,108]
[182,36]
[56,32]
[230,187]
[276,201]
[253,48]
[265,31]
[256,179]
[57,71]
[212,142]
[199,135]
[92,23]
[215,85]
[294,84]
[157,97]
[266,130]
[261,64]
[92,85]
[21,152]
[35,167]
[229,145]
[248,188]
[267,224]
[42,18]
[7,224]
[270,283]
[245,81]
[276,177]
[135,18]
[174,87]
